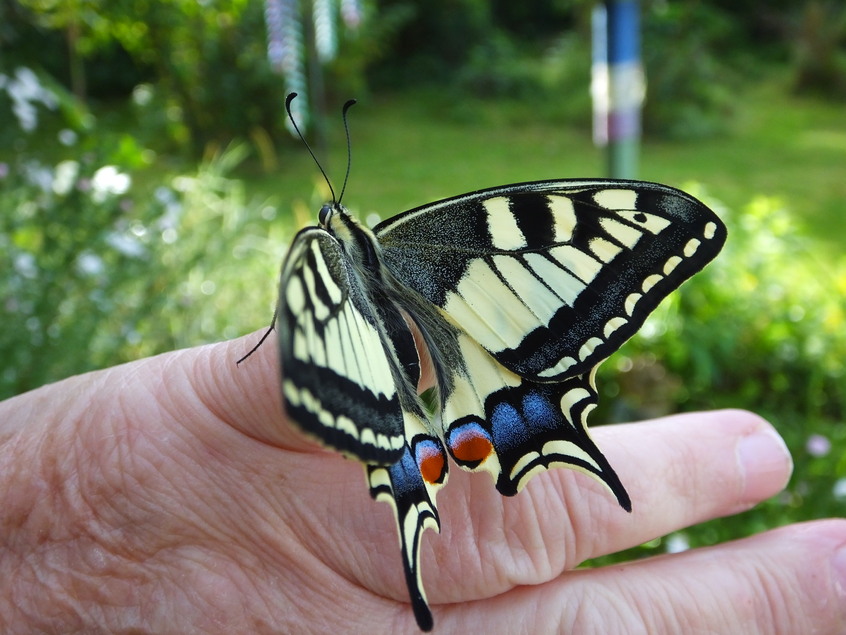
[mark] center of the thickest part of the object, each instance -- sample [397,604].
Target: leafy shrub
[763,328]
[101,271]
[689,79]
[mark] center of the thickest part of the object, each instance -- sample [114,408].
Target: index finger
[679,470]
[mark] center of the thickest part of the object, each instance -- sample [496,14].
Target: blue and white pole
[617,84]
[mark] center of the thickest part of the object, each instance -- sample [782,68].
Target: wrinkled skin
[169,495]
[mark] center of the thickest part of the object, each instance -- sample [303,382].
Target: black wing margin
[338,379]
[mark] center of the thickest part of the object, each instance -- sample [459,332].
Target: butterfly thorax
[358,242]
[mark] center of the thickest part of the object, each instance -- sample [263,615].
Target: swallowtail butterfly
[515,293]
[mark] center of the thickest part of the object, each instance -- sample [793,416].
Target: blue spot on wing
[524,416]
[539,409]
[522,420]
[411,497]
[505,417]
[406,479]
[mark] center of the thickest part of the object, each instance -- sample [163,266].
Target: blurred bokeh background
[149,184]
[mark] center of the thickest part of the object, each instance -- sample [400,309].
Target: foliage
[495,52]
[208,77]
[690,81]
[764,326]
[26,97]
[100,274]
[24,42]
[99,270]
[819,51]
[428,47]
[208,59]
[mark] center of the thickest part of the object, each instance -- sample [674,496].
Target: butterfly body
[514,295]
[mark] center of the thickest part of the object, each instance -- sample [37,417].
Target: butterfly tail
[532,427]
[410,486]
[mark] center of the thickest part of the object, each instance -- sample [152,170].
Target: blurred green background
[149,186]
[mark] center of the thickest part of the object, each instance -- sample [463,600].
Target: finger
[678,470]
[246,396]
[683,470]
[789,580]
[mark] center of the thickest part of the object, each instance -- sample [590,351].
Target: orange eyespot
[431,460]
[432,468]
[471,447]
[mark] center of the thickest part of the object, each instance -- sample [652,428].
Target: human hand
[170,495]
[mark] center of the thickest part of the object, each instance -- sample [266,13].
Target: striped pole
[617,85]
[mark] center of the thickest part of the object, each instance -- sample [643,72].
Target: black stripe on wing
[338,374]
[533,427]
[552,277]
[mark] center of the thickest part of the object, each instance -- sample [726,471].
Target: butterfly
[513,295]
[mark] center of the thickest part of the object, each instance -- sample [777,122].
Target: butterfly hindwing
[540,426]
[513,428]
[410,486]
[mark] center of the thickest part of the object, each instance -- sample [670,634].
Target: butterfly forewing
[339,377]
[552,277]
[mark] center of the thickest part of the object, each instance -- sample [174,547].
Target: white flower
[164,195]
[126,244]
[817,445]
[38,175]
[184,183]
[26,114]
[24,263]
[840,489]
[107,181]
[351,13]
[677,543]
[142,94]
[25,86]
[67,137]
[25,90]
[90,264]
[65,177]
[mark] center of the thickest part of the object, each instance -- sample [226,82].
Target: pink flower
[817,445]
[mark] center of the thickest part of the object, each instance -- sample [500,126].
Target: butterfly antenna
[350,103]
[288,101]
